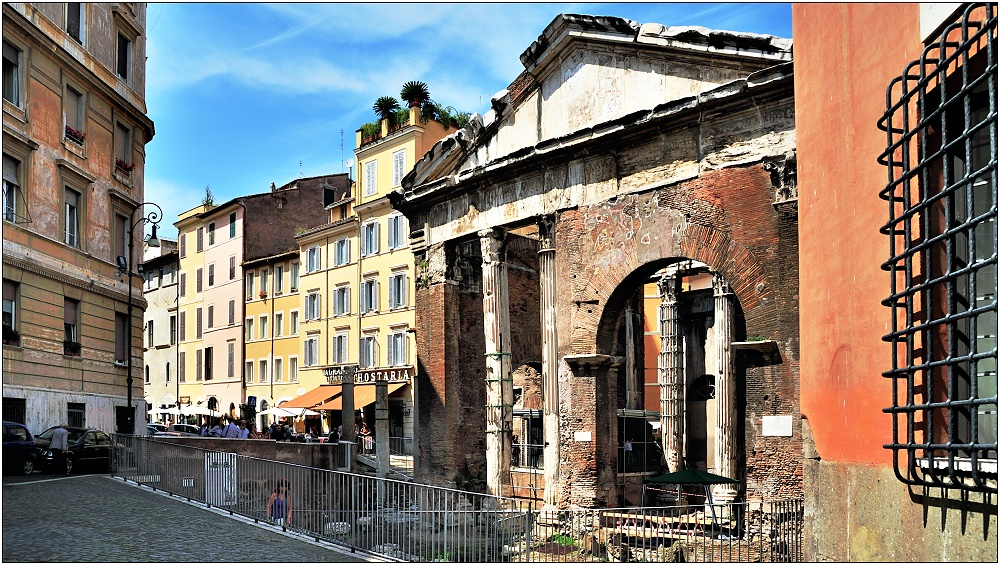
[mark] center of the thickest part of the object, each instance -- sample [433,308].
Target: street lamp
[125,268]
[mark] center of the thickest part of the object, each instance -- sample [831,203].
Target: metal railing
[412,522]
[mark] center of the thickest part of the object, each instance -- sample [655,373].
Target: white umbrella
[279,412]
[298,412]
[197,411]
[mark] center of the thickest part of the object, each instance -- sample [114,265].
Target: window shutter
[392,349]
[231,363]
[232,312]
[183,326]
[72,107]
[347,300]
[183,284]
[121,143]
[183,245]
[402,290]
[9,168]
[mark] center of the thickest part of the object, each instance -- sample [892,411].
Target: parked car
[153,427]
[180,430]
[18,449]
[89,449]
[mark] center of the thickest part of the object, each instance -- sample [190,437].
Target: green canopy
[692,477]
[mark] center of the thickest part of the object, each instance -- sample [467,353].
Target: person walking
[59,444]
[279,508]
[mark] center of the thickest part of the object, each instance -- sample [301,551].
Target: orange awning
[315,396]
[364,394]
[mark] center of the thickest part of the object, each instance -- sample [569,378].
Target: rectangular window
[293,277]
[232,312]
[211,316]
[181,367]
[182,245]
[124,60]
[71,322]
[311,352]
[123,148]
[342,252]
[168,373]
[293,369]
[183,285]
[369,238]
[278,375]
[12,74]
[121,337]
[279,323]
[248,329]
[263,370]
[230,360]
[71,218]
[173,330]
[340,354]
[397,348]
[371,178]
[369,296]
[73,114]
[397,291]
[11,188]
[263,327]
[248,370]
[199,365]
[74,20]
[397,231]
[197,323]
[10,314]
[211,274]
[76,414]
[232,225]
[313,259]
[182,326]
[342,300]
[248,283]
[293,322]
[366,354]
[198,280]
[263,281]
[232,268]
[312,306]
[398,167]
[211,233]
[279,279]
[199,240]
[149,334]
[121,236]
[209,362]
[943,258]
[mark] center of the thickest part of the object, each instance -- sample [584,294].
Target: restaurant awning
[364,394]
[315,396]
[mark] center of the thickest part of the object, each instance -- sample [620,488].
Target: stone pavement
[96,518]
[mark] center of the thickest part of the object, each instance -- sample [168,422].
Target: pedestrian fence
[406,521]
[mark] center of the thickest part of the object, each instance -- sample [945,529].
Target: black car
[18,449]
[88,449]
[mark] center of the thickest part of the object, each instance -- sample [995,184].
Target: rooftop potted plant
[386,107]
[415,93]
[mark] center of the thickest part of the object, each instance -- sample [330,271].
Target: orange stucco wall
[845,57]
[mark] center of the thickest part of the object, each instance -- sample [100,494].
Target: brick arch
[740,267]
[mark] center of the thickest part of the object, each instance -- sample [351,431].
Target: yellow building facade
[271,332]
[358,283]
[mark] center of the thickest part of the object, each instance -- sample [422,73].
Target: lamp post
[125,268]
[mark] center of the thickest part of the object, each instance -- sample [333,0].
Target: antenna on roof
[341,149]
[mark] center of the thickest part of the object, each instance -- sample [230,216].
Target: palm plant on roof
[415,93]
[386,107]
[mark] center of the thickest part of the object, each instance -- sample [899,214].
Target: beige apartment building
[74,135]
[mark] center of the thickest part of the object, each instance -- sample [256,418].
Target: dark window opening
[76,414]
[15,410]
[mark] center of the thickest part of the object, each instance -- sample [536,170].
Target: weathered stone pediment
[586,72]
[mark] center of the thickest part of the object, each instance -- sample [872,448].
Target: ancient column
[633,341]
[725,390]
[550,358]
[382,427]
[499,382]
[671,373]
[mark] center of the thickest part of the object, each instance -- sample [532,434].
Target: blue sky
[242,93]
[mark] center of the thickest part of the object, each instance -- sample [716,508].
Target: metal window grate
[941,158]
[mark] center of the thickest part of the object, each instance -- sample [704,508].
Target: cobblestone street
[95,518]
